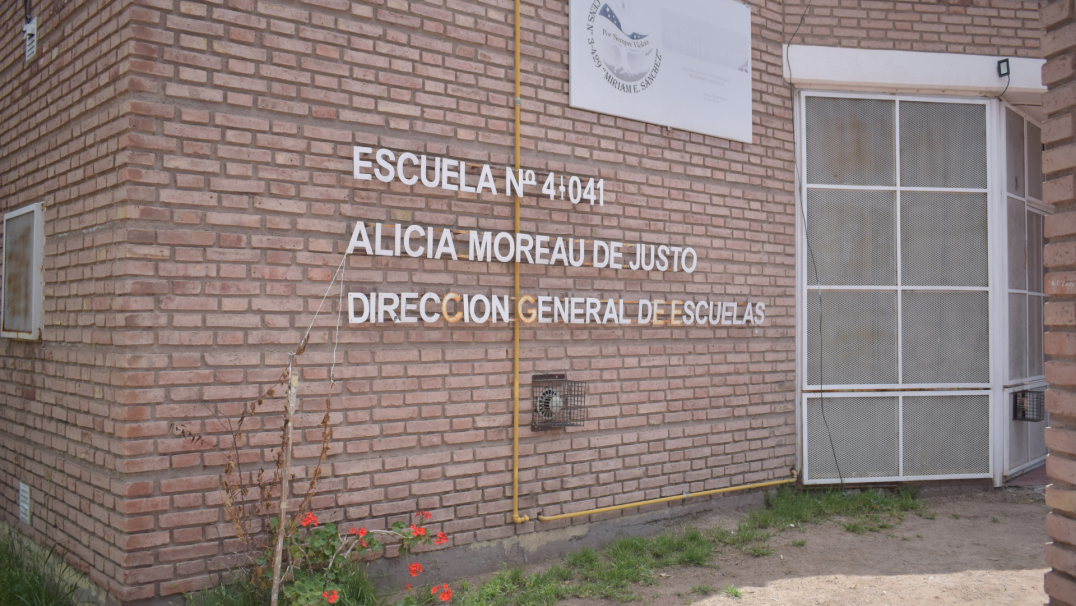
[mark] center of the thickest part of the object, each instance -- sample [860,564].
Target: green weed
[612,573]
[799,543]
[703,589]
[34,576]
[732,592]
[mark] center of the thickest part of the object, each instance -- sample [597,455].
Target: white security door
[895,288]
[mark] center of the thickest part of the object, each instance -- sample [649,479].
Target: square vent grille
[1029,406]
[558,402]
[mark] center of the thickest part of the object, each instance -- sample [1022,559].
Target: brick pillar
[1059,166]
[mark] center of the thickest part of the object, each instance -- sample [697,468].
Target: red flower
[360,532]
[330,596]
[414,569]
[407,587]
[440,539]
[425,515]
[417,531]
[308,519]
[446,593]
[434,590]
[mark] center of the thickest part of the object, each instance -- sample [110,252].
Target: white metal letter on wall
[679,63]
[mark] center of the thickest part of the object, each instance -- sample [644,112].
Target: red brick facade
[195,160]
[977,27]
[1059,48]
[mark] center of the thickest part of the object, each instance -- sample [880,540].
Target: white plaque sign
[680,63]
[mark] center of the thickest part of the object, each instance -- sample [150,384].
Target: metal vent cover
[942,145]
[850,141]
[943,239]
[558,402]
[946,435]
[852,235]
[858,339]
[864,432]
[946,336]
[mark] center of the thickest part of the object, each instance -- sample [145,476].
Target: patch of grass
[956,516]
[355,588]
[760,551]
[862,511]
[34,576]
[514,587]
[732,592]
[237,593]
[612,573]
[995,519]
[799,543]
[703,589]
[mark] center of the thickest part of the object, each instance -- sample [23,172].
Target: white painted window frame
[37,277]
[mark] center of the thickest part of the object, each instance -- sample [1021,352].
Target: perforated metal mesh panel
[1036,434]
[1018,438]
[942,145]
[1034,336]
[943,239]
[858,338]
[850,141]
[1034,252]
[1017,240]
[1014,153]
[1017,336]
[852,236]
[946,435]
[946,336]
[864,432]
[1034,161]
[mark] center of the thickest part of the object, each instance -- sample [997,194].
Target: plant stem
[278,551]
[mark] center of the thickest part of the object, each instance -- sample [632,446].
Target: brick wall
[1059,48]
[976,27]
[200,197]
[251,110]
[65,137]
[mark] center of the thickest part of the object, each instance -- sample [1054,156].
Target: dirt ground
[949,560]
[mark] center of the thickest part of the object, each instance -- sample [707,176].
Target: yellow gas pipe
[704,493]
[518,519]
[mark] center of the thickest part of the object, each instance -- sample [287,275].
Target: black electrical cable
[810,255]
[1008,79]
[27,14]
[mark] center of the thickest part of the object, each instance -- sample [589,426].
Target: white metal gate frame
[997,288]
[1031,382]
